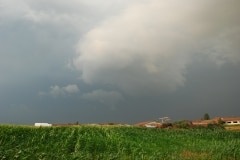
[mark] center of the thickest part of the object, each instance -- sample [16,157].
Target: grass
[67,143]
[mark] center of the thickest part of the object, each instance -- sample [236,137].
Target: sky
[118,61]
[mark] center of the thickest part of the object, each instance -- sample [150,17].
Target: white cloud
[148,47]
[57,91]
[105,97]
[71,88]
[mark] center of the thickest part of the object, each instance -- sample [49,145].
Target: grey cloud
[74,14]
[165,52]
[36,42]
[148,47]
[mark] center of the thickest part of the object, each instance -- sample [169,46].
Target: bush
[166,125]
[213,126]
[182,124]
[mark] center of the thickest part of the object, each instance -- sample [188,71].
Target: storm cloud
[148,47]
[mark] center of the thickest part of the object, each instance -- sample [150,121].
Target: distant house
[153,125]
[231,120]
[225,120]
[149,124]
[42,125]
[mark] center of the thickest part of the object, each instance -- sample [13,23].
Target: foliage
[206,116]
[166,125]
[215,126]
[182,124]
[86,142]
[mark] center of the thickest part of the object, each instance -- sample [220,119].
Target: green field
[19,142]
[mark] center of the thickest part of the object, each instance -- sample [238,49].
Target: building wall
[42,124]
[232,122]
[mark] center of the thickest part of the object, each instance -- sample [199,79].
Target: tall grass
[18,142]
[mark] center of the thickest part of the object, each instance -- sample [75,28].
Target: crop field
[120,143]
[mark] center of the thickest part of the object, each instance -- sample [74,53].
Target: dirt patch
[234,127]
[193,155]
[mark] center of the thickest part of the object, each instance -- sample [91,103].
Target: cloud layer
[148,47]
[57,91]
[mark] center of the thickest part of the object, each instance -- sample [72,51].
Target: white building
[231,120]
[42,125]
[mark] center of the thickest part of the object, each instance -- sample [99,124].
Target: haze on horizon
[118,61]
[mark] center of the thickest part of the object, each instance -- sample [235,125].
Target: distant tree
[206,116]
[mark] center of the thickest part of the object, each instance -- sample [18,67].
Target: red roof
[230,119]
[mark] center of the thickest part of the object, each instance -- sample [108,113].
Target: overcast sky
[96,61]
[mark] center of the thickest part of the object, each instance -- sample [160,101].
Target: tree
[206,116]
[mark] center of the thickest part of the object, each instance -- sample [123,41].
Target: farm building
[149,124]
[231,120]
[42,125]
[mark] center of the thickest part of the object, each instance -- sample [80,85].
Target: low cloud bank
[57,91]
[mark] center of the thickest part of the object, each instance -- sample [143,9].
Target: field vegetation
[87,142]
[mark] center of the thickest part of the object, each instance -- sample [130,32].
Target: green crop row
[66,143]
